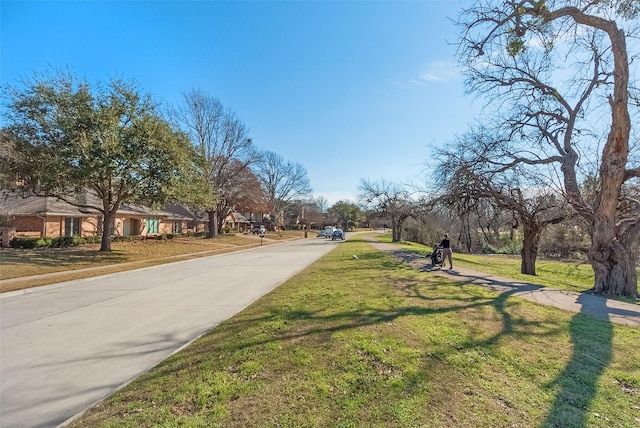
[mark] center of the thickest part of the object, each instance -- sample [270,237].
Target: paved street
[66,346]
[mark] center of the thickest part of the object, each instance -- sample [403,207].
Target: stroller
[436,256]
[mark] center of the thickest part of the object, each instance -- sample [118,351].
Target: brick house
[187,219]
[237,221]
[37,217]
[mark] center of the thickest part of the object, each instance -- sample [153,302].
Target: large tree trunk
[394,233]
[213,224]
[396,227]
[615,271]
[613,262]
[107,230]
[529,252]
[223,212]
[465,234]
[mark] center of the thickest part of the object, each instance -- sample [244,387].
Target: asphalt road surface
[65,347]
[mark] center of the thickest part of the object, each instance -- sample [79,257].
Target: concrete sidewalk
[611,310]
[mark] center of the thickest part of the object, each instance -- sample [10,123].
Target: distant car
[259,230]
[326,232]
[337,234]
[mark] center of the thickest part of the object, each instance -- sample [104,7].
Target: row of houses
[39,217]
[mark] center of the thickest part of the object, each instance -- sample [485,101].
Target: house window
[130,227]
[153,225]
[177,226]
[72,226]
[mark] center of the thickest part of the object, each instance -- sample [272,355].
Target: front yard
[73,262]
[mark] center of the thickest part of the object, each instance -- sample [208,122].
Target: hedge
[62,241]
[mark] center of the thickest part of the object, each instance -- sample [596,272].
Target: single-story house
[237,221]
[39,216]
[32,216]
[192,220]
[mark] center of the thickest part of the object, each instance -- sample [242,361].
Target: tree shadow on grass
[284,324]
[56,257]
[592,350]
[578,383]
[252,331]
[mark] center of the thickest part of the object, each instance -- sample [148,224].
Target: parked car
[259,230]
[327,232]
[337,234]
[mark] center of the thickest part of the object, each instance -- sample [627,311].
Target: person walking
[446,250]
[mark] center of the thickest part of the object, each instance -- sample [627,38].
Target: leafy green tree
[558,77]
[346,213]
[93,147]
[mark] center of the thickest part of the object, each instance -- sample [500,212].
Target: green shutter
[153,225]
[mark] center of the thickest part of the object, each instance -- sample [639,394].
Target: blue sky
[351,90]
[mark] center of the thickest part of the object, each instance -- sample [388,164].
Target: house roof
[184,212]
[239,217]
[19,204]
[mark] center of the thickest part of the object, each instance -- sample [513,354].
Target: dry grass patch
[68,263]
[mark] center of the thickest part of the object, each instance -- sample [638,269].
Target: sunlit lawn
[369,342]
[569,276]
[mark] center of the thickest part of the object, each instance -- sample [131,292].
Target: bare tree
[390,200]
[554,70]
[225,152]
[313,212]
[468,178]
[322,204]
[283,182]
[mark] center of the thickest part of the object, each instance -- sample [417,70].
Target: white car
[326,232]
[259,230]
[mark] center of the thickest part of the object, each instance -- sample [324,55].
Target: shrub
[62,241]
[93,239]
[127,238]
[44,242]
[564,243]
[29,243]
[506,246]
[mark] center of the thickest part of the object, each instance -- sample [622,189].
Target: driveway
[66,346]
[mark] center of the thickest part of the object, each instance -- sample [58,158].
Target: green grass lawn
[568,276]
[369,342]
